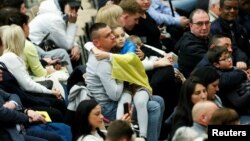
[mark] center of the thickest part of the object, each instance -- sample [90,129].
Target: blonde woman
[13,40]
[110,14]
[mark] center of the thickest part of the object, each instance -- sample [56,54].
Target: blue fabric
[129,47]
[162,14]
[63,130]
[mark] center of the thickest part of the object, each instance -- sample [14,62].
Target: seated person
[14,120]
[101,85]
[34,66]
[120,131]
[88,123]
[233,82]
[162,14]
[58,19]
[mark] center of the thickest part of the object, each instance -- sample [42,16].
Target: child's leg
[141,100]
[126,97]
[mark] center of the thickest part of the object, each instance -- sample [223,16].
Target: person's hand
[162,62]
[99,54]
[128,116]
[57,93]
[241,65]
[169,56]
[247,73]
[139,53]
[9,105]
[58,66]
[35,117]
[50,69]
[75,53]
[50,61]
[184,22]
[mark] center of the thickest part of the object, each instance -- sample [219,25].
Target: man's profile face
[105,40]
[130,20]
[200,25]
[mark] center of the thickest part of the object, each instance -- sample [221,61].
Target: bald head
[202,111]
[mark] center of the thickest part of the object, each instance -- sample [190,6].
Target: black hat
[74,3]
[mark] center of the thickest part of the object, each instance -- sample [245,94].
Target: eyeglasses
[206,23]
[227,58]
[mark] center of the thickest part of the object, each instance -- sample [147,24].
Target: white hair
[211,2]
[185,134]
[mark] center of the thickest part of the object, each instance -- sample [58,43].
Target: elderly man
[107,91]
[213,8]
[193,44]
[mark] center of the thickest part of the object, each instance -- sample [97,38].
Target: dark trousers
[44,135]
[162,81]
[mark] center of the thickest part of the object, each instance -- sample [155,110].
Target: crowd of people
[172,83]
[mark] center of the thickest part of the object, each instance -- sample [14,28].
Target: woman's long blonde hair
[13,39]
[109,14]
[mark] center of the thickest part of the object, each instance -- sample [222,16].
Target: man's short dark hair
[12,3]
[5,14]
[131,7]
[193,12]
[223,1]
[119,129]
[94,28]
[215,53]
[215,38]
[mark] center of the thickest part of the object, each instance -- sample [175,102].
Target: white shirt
[94,136]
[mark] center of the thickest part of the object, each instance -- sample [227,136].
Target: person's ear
[96,43]
[126,16]
[212,46]
[217,65]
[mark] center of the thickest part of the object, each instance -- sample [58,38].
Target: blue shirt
[162,14]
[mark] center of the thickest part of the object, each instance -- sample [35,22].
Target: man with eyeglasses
[226,24]
[224,40]
[193,44]
[58,19]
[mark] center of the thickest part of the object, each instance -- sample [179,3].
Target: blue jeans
[156,109]
[42,136]
[58,53]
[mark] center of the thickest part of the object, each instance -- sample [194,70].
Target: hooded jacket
[50,20]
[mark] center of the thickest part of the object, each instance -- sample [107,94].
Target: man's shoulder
[188,38]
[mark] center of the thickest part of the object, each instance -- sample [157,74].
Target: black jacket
[191,50]
[9,118]
[237,32]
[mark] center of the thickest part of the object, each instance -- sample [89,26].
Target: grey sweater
[99,82]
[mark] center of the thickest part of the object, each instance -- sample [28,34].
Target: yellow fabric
[128,67]
[32,61]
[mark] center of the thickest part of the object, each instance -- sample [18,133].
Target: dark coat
[191,50]
[148,31]
[9,118]
[237,32]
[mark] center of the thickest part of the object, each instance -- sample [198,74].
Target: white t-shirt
[94,136]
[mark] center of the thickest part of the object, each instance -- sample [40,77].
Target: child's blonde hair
[135,39]
[109,14]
